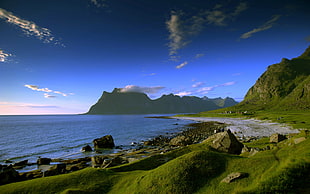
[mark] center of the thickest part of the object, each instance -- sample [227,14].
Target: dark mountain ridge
[119,102]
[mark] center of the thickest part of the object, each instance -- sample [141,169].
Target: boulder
[104,142]
[234,176]
[299,140]
[55,170]
[276,138]
[44,161]
[107,163]
[8,174]
[98,160]
[87,149]
[226,142]
[180,141]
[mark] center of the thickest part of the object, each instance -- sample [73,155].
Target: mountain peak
[306,53]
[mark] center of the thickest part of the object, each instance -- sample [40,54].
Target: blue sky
[58,56]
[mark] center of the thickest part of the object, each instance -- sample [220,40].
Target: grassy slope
[192,169]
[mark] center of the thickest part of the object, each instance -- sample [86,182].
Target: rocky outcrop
[181,141]
[276,138]
[87,149]
[44,161]
[226,142]
[234,176]
[8,174]
[104,142]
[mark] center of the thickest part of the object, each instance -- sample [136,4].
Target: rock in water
[276,138]
[44,161]
[234,176]
[226,142]
[87,149]
[104,142]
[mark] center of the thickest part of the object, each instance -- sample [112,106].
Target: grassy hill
[283,86]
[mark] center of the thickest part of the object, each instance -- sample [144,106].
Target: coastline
[202,127]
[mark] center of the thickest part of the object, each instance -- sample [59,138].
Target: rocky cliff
[283,86]
[119,102]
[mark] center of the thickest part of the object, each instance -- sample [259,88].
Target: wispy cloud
[182,65]
[206,90]
[141,89]
[267,25]
[99,3]
[181,28]
[29,27]
[183,93]
[177,35]
[47,91]
[198,84]
[4,56]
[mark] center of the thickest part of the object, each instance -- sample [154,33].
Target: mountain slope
[284,86]
[119,102]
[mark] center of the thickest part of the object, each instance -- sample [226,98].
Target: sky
[58,56]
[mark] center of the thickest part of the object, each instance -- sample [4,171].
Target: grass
[285,168]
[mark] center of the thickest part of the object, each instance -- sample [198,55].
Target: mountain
[283,86]
[119,102]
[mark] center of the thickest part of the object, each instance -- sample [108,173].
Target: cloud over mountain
[148,90]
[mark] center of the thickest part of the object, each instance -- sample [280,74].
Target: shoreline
[193,133]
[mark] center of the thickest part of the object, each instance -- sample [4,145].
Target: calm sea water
[63,136]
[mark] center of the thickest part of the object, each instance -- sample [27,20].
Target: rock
[44,161]
[55,170]
[31,174]
[76,167]
[234,176]
[245,149]
[8,174]
[104,142]
[276,138]
[21,163]
[299,140]
[180,141]
[98,160]
[87,149]
[114,162]
[226,142]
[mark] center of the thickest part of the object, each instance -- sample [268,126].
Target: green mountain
[119,102]
[283,86]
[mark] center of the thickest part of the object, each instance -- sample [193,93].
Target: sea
[62,136]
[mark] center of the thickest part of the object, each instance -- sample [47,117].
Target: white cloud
[182,65]
[197,84]
[206,90]
[29,28]
[267,25]
[4,56]
[181,28]
[197,56]
[177,35]
[183,93]
[46,95]
[47,91]
[99,3]
[148,90]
